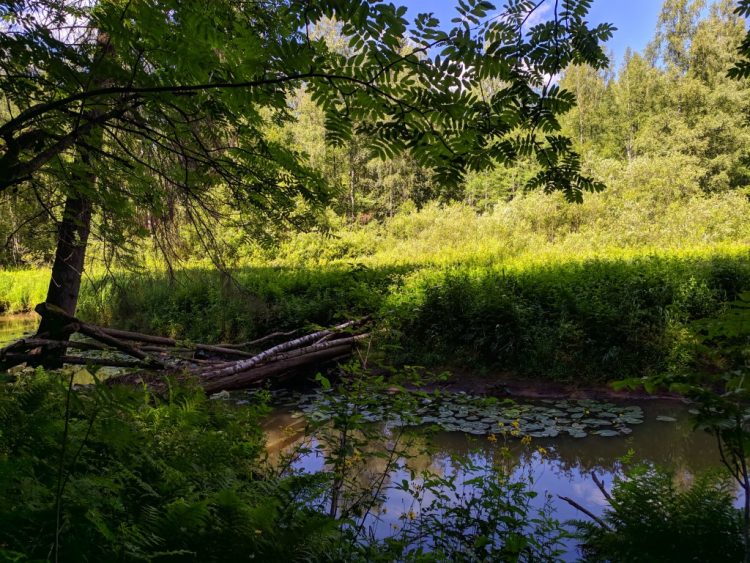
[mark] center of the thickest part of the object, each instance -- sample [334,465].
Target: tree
[676,27]
[116,107]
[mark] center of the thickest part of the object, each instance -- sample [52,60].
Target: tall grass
[534,286]
[21,290]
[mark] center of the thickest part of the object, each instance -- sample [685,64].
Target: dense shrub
[122,475]
[651,518]
[587,321]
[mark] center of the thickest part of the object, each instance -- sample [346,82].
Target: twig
[586,511]
[600,486]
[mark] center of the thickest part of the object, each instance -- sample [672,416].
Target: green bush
[114,474]
[651,518]
[581,322]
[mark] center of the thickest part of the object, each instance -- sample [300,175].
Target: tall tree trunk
[67,270]
[75,226]
[73,234]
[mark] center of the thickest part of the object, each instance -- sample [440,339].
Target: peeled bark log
[244,365]
[247,378]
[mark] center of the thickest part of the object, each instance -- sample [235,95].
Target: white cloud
[540,15]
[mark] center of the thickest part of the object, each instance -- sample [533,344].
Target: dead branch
[245,365]
[586,511]
[77,360]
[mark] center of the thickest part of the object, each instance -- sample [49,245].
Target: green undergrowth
[115,474]
[21,290]
[585,320]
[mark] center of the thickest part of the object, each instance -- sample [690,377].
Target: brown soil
[510,385]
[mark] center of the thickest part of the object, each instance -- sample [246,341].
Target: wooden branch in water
[586,511]
[601,487]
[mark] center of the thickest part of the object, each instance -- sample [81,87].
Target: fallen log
[254,376]
[34,342]
[77,360]
[244,365]
[139,337]
[220,367]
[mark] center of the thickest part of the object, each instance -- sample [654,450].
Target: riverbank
[580,322]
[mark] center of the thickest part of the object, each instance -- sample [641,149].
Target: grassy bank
[535,286]
[588,319]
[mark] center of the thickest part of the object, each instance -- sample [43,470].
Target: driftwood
[216,367]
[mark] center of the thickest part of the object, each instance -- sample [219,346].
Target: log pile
[217,368]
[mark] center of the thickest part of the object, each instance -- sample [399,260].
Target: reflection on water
[13,327]
[564,469]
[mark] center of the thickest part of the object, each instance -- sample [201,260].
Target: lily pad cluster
[481,416]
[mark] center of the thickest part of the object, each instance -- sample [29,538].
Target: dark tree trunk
[74,228]
[65,284]
[71,251]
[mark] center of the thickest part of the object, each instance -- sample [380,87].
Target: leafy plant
[652,518]
[112,473]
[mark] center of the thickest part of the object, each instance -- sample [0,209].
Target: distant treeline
[659,128]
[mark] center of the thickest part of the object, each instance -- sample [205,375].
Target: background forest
[666,130]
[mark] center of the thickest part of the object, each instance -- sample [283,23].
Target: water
[564,469]
[13,327]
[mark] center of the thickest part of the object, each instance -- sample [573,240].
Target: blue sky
[635,20]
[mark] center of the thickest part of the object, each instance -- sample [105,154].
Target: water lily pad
[666,418]
[596,422]
[606,433]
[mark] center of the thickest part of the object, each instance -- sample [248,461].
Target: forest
[336,280]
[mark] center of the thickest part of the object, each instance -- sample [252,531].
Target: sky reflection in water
[564,470]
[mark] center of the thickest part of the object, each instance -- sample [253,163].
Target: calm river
[565,469]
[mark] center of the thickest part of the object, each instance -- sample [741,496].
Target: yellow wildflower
[542,451]
[492,438]
[526,440]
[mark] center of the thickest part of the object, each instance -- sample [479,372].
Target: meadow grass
[536,286]
[21,290]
